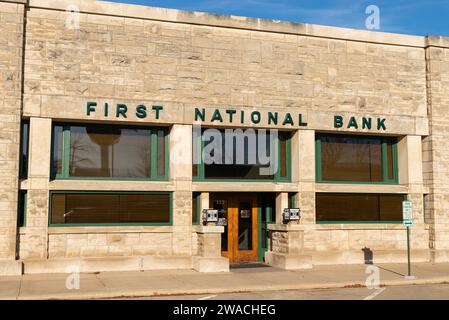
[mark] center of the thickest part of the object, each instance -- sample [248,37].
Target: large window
[358,207]
[344,158]
[100,208]
[109,152]
[236,154]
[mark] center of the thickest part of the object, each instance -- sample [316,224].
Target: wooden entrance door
[239,242]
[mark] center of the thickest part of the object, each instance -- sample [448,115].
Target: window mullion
[384,161]
[318,159]
[154,154]
[66,152]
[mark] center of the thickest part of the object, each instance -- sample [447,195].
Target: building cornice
[236,22]
[15,1]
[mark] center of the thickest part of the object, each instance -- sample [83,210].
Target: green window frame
[198,170]
[266,213]
[404,197]
[24,148]
[154,174]
[385,179]
[292,200]
[196,208]
[22,208]
[125,224]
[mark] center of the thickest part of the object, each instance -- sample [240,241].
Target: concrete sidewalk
[178,282]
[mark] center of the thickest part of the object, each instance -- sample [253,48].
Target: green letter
[273,118]
[288,119]
[106,109]
[141,111]
[216,116]
[300,123]
[353,123]
[366,123]
[338,121]
[90,107]
[231,112]
[255,113]
[200,114]
[121,110]
[381,124]
[157,109]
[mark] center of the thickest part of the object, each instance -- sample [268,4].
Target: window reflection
[105,151]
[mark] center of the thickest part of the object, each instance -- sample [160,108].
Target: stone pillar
[11,39]
[281,204]
[287,246]
[286,240]
[209,257]
[306,165]
[33,244]
[410,170]
[181,175]
[437,151]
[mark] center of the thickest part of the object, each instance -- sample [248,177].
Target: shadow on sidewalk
[369,259]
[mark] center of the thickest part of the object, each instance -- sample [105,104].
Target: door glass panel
[222,207]
[245,225]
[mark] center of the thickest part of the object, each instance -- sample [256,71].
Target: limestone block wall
[133,59]
[226,62]
[108,244]
[11,49]
[436,146]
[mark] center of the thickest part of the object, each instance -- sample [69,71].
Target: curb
[200,291]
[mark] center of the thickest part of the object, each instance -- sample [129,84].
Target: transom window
[344,158]
[109,152]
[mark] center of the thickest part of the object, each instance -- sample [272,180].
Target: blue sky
[402,16]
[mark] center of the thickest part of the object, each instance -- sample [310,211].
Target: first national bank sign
[218,116]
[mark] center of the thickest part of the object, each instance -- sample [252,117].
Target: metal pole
[408,251]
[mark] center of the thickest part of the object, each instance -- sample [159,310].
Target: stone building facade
[97,63]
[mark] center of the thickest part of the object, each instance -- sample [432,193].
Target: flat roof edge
[15,1]
[237,22]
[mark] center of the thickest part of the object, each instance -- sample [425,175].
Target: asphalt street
[413,292]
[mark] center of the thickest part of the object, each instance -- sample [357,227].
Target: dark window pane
[161,152]
[195,207]
[110,208]
[22,208]
[390,160]
[292,200]
[108,151]
[283,154]
[245,227]
[57,152]
[391,208]
[24,144]
[345,158]
[358,207]
[240,156]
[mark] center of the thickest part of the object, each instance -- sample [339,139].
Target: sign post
[407,220]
